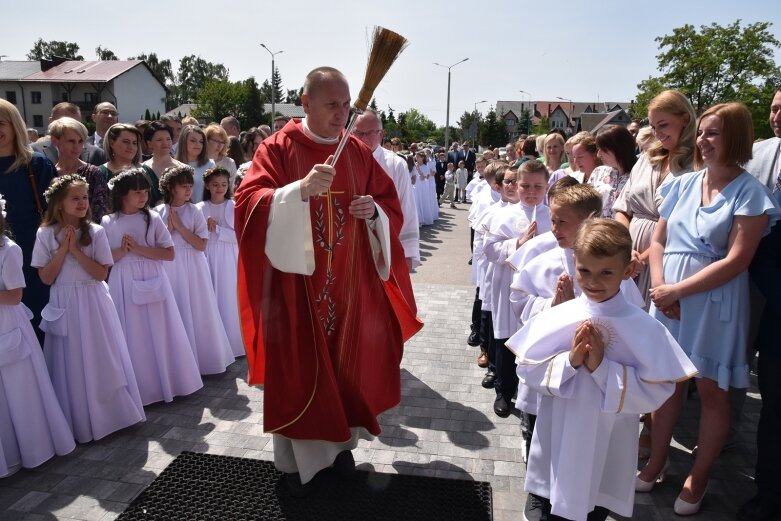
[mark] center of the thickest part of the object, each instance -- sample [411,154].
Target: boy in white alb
[511,227]
[597,363]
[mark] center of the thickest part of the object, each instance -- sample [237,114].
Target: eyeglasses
[509,181]
[361,135]
[218,141]
[107,112]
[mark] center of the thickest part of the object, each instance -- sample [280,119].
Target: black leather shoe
[501,407]
[534,509]
[759,509]
[474,339]
[344,464]
[295,488]
[489,379]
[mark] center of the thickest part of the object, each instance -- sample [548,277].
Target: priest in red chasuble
[325,297]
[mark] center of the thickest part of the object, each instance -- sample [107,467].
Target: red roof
[76,71]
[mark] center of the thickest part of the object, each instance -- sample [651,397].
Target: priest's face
[600,277]
[327,107]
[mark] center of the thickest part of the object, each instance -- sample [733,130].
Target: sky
[573,49]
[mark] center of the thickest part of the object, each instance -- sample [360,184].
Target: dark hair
[170,117]
[153,128]
[175,176]
[212,172]
[564,182]
[234,150]
[56,194]
[559,131]
[181,147]
[529,147]
[122,183]
[621,143]
[248,142]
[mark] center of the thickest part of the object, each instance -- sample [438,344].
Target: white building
[35,87]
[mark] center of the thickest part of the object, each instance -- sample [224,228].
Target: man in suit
[766,273]
[91,154]
[440,177]
[469,159]
[103,115]
[455,155]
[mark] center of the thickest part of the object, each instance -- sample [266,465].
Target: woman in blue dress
[711,223]
[24,176]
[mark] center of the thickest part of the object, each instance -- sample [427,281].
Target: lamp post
[273,105]
[477,120]
[447,115]
[571,108]
[527,130]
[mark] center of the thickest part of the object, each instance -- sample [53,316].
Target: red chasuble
[327,347]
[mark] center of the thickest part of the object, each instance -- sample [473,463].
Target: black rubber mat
[205,487]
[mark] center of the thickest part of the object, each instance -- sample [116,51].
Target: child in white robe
[84,347]
[189,272]
[510,228]
[462,174]
[222,251]
[160,351]
[32,426]
[598,363]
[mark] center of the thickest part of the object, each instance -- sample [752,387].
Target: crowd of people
[119,265]
[610,269]
[613,268]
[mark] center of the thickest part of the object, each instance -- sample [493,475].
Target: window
[510,122]
[64,97]
[91,97]
[35,97]
[10,95]
[37,121]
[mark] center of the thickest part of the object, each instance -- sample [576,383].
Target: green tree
[219,98]
[105,54]
[48,50]
[265,89]
[495,132]
[253,104]
[294,96]
[525,123]
[194,73]
[712,65]
[542,127]
[147,115]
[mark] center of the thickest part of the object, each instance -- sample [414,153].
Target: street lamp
[477,120]
[447,115]
[527,130]
[571,109]
[273,105]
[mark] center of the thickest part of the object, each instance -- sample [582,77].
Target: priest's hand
[318,180]
[362,207]
[579,351]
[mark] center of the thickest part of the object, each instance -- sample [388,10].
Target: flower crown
[128,172]
[221,170]
[61,182]
[173,172]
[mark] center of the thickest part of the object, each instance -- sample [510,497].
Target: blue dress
[23,220]
[713,330]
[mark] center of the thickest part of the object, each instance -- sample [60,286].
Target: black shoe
[344,464]
[759,509]
[470,261]
[501,407]
[294,486]
[534,509]
[474,339]
[489,379]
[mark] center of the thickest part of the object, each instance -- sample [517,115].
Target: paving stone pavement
[444,426]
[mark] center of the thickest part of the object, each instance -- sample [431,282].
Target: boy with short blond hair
[597,363]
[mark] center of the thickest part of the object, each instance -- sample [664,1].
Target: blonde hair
[737,133]
[645,136]
[554,136]
[216,130]
[603,238]
[23,152]
[582,198]
[675,103]
[58,127]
